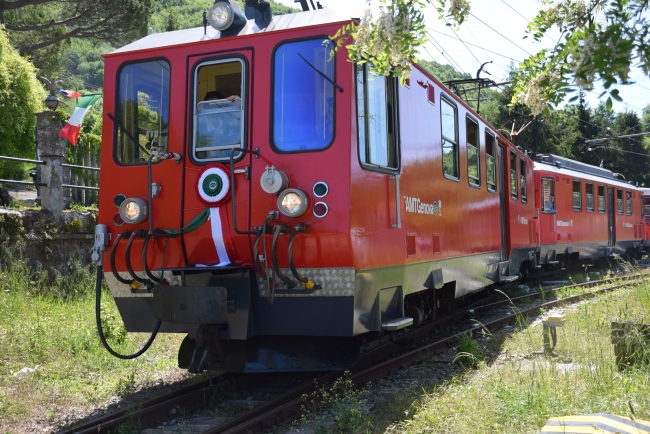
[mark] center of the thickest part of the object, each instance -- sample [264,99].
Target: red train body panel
[414,201]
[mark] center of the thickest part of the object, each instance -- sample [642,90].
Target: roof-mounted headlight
[293,202]
[226,16]
[133,211]
[221,15]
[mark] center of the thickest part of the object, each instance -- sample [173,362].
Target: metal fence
[82,186]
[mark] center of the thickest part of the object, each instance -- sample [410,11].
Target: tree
[600,40]
[45,26]
[21,95]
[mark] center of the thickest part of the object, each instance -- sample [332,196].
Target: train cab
[646,217]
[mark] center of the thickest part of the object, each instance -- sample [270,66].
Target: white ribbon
[217,237]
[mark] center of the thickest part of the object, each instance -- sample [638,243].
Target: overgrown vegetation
[51,354]
[515,389]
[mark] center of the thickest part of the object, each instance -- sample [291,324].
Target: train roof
[562,165]
[279,22]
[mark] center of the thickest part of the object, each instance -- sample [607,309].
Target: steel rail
[282,412]
[288,406]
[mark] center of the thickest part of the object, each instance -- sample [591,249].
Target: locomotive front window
[141,111]
[473,153]
[513,174]
[218,112]
[577,195]
[303,96]
[449,123]
[490,165]
[619,201]
[376,118]
[601,199]
[589,196]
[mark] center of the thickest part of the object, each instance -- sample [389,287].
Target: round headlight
[293,202]
[221,15]
[133,211]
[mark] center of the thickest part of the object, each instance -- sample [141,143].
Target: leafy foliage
[20,97]
[48,26]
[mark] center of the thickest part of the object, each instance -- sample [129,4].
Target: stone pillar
[52,150]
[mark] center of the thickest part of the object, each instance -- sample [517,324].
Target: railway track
[376,362]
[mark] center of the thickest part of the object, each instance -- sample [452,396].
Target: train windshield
[142,111]
[218,114]
[303,96]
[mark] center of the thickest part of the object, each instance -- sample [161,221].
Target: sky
[494,32]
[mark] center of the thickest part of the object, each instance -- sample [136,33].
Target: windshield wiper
[127,133]
[321,73]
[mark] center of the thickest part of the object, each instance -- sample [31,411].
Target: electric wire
[463,42]
[498,33]
[433,41]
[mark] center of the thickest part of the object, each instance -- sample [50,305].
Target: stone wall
[48,241]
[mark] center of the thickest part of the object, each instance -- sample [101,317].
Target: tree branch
[29,48]
[46,25]
[22,3]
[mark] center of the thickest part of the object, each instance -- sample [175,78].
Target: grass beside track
[48,326]
[514,389]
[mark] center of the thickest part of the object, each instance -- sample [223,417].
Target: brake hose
[127,258]
[147,271]
[256,257]
[98,302]
[112,260]
[299,228]
[274,255]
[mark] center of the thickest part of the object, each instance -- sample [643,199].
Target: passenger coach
[585,212]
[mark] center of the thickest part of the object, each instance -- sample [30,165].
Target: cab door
[547,218]
[611,240]
[503,196]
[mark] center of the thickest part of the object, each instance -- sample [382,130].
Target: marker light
[293,202]
[117,219]
[133,211]
[320,209]
[221,15]
[119,199]
[320,189]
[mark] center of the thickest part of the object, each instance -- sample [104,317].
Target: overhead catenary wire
[499,33]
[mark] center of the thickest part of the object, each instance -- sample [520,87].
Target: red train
[281,208]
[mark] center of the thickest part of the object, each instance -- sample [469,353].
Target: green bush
[11,224]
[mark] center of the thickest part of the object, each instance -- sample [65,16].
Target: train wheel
[185,352]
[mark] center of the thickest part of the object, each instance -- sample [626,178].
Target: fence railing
[68,174]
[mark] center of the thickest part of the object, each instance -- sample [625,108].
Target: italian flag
[71,130]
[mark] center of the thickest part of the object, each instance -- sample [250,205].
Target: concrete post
[52,150]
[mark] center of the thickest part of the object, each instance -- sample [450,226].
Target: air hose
[274,255]
[127,258]
[98,302]
[301,227]
[112,260]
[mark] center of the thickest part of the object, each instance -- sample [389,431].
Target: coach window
[548,190]
[619,201]
[628,202]
[377,118]
[218,112]
[589,196]
[601,199]
[490,162]
[522,179]
[513,174]
[141,111]
[304,83]
[577,195]
[473,153]
[449,123]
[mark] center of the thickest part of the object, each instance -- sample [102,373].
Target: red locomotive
[279,207]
